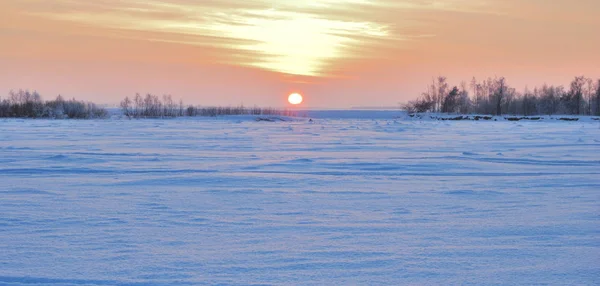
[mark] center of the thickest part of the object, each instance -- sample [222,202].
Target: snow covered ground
[334,201]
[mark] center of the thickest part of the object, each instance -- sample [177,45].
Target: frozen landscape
[336,201]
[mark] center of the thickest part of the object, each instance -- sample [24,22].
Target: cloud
[300,37]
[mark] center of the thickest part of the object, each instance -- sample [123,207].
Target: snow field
[334,201]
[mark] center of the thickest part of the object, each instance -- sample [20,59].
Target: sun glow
[295,98]
[292,37]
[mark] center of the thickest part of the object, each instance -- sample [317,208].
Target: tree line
[494,96]
[26,104]
[153,106]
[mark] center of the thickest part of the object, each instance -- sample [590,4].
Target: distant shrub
[26,104]
[240,110]
[151,106]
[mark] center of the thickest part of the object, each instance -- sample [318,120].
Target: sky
[337,53]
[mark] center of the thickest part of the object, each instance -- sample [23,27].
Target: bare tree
[442,90]
[139,103]
[589,91]
[576,93]
[474,87]
[464,102]
[598,97]
[126,106]
[499,93]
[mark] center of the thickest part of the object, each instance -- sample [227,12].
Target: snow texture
[329,202]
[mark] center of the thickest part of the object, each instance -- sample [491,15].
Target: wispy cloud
[293,37]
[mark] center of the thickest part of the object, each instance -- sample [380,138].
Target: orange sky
[338,53]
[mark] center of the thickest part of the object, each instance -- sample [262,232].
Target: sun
[295,98]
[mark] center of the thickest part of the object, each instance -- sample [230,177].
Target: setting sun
[295,98]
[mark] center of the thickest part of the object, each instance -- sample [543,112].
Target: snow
[333,201]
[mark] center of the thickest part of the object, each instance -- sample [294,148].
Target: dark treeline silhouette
[495,97]
[26,104]
[152,106]
[239,110]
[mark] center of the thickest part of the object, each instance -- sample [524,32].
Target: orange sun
[295,98]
